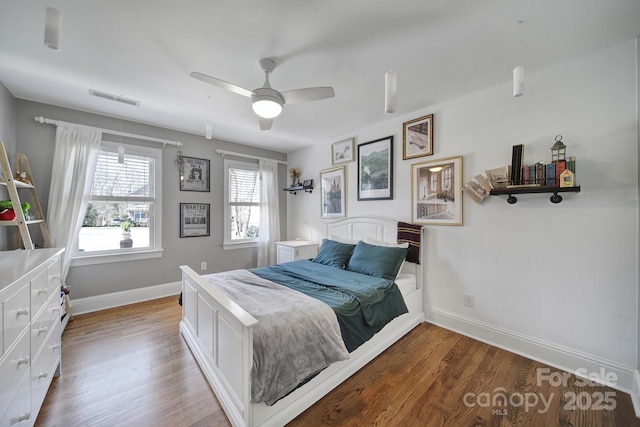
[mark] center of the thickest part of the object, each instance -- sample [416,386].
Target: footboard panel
[220,335]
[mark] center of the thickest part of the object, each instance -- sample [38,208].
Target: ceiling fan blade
[307,94]
[265,124]
[222,84]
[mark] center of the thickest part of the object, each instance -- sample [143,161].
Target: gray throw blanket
[297,336]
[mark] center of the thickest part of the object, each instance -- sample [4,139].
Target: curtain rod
[231,153]
[41,119]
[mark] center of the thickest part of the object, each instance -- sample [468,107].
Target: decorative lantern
[559,150]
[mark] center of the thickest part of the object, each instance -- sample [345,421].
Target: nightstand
[292,250]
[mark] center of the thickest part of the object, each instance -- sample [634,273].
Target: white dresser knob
[24,311]
[23,361]
[22,417]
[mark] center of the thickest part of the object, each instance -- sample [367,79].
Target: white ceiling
[146,49]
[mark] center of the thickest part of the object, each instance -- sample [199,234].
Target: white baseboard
[551,354]
[635,395]
[117,299]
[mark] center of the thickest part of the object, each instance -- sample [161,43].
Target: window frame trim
[228,243]
[155,249]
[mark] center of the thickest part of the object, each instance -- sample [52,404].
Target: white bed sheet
[406,283]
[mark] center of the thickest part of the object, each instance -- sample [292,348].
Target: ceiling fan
[267,102]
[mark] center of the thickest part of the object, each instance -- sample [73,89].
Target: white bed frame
[219,334]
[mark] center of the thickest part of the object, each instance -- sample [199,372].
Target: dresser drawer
[18,414]
[13,367]
[46,282]
[44,323]
[44,367]
[15,315]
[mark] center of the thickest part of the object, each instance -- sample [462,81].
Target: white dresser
[292,250]
[30,332]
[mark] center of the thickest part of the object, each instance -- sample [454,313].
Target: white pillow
[343,240]
[372,241]
[375,242]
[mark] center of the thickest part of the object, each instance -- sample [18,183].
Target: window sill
[119,257]
[239,245]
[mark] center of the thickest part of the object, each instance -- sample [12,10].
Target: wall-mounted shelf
[555,198]
[306,186]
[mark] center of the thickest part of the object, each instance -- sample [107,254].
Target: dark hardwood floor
[129,366]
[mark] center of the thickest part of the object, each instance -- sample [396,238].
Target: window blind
[133,178]
[244,186]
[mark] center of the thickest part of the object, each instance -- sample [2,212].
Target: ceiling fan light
[267,108]
[52,28]
[266,103]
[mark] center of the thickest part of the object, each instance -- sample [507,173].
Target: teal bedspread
[363,304]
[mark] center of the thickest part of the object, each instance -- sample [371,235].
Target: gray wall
[37,142]
[8,137]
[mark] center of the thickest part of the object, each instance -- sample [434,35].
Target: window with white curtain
[124,212]
[242,203]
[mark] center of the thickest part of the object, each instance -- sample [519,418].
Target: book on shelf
[550,174]
[525,176]
[561,165]
[571,165]
[540,173]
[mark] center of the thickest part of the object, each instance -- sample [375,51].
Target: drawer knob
[23,361]
[55,277]
[42,375]
[43,330]
[43,291]
[23,312]
[22,417]
[55,347]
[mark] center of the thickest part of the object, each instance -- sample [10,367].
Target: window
[123,215]
[242,203]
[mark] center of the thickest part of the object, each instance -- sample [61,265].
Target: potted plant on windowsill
[126,241]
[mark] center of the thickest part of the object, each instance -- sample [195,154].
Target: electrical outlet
[468,300]
[203,265]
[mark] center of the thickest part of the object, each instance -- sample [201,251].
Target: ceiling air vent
[116,98]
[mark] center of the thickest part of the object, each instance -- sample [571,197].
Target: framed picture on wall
[194,219]
[342,151]
[375,169]
[436,192]
[332,193]
[417,137]
[194,174]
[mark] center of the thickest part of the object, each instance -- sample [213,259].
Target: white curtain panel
[74,163]
[269,213]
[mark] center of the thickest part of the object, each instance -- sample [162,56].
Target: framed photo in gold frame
[417,137]
[436,192]
[342,151]
[332,193]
